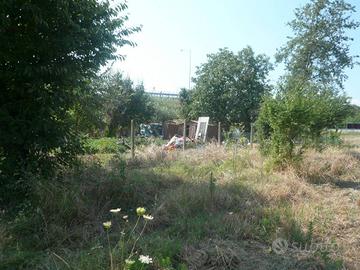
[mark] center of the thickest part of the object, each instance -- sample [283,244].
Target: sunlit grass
[198,199]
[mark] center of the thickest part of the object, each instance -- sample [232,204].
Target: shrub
[295,119]
[104,146]
[236,135]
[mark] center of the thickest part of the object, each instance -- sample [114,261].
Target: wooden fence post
[132,131]
[219,133]
[251,134]
[184,135]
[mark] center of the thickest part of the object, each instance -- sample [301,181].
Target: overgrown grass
[112,145]
[213,208]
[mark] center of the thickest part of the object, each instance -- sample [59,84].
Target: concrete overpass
[163,94]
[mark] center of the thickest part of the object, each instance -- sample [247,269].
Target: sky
[174,30]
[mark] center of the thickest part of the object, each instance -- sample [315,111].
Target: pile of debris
[176,142]
[194,135]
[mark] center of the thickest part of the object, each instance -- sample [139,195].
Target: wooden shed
[173,127]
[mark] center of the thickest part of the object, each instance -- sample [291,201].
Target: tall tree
[48,51]
[123,101]
[309,99]
[165,109]
[319,49]
[185,102]
[229,86]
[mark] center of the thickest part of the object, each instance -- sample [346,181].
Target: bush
[295,119]
[236,135]
[104,146]
[332,138]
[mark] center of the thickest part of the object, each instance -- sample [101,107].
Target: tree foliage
[87,113]
[165,109]
[229,87]
[48,52]
[122,102]
[319,49]
[296,119]
[354,114]
[185,97]
[309,99]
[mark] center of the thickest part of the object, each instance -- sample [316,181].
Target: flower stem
[110,252]
[132,231]
[137,239]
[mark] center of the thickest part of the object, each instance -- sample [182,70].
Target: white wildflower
[116,210]
[148,217]
[145,259]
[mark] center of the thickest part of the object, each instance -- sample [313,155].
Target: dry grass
[335,202]
[247,255]
[224,221]
[351,138]
[218,254]
[332,204]
[330,166]
[323,191]
[153,155]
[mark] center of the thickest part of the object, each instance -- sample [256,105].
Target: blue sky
[204,26]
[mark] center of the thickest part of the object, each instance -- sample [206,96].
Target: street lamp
[184,132]
[189,51]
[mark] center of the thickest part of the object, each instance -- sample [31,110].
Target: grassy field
[213,208]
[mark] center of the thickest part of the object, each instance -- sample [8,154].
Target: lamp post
[184,132]
[189,51]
